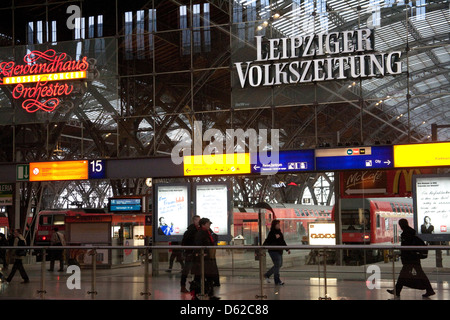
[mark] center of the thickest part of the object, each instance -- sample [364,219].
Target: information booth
[82,229]
[128,228]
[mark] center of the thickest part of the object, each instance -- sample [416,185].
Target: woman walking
[275,238]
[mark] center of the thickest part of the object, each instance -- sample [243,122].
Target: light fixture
[276,15]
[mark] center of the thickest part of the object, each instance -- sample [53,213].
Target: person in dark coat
[275,238]
[204,237]
[3,257]
[411,261]
[188,240]
[18,254]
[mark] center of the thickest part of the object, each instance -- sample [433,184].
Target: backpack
[423,254]
[21,252]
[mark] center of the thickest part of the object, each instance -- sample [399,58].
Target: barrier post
[325,275]
[93,279]
[146,292]
[202,264]
[42,290]
[393,271]
[261,256]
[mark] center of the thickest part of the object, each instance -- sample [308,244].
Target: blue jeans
[277,259]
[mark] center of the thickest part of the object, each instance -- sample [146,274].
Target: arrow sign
[360,191]
[388,162]
[23,172]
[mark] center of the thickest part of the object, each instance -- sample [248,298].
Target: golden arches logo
[407,175]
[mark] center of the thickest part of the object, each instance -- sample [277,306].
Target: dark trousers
[418,281]
[178,256]
[277,259]
[18,266]
[56,255]
[187,268]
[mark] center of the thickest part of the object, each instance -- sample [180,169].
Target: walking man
[18,254]
[411,262]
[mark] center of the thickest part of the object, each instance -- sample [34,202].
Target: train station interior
[323,122]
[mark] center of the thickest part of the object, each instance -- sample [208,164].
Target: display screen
[212,202]
[172,211]
[377,157]
[125,205]
[431,195]
[288,161]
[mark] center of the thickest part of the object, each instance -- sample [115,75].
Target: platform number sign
[97,169]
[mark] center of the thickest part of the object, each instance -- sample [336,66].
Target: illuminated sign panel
[212,200]
[171,211]
[59,170]
[220,164]
[322,233]
[422,155]
[44,71]
[431,196]
[288,161]
[125,204]
[377,157]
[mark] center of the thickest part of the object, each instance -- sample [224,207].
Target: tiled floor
[127,283]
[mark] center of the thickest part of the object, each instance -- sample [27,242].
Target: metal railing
[321,251]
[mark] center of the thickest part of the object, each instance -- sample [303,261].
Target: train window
[351,223]
[58,219]
[46,220]
[378,221]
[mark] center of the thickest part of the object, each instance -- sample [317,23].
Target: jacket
[409,238]
[273,240]
[18,242]
[204,238]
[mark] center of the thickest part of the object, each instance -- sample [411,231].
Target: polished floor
[304,283]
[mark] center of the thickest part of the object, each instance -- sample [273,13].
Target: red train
[294,220]
[373,220]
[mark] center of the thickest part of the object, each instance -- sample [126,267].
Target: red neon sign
[45,69]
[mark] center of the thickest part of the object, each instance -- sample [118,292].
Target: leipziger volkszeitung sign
[317,57]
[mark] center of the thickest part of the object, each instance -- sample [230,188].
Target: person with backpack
[57,254]
[18,254]
[411,263]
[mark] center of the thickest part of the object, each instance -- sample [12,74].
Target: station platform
[304,283]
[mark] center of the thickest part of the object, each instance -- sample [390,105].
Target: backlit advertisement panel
[431,196]
[212,201]
[171,211]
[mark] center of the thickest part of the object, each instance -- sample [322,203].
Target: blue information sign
[287,161]
[377,157]
[97,169]
[125,205]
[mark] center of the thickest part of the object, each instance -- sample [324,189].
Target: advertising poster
[172,211]
[212,202]
[322,233]
[431,197]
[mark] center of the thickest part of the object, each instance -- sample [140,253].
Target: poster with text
[432,206]
[212,202]
[172,212]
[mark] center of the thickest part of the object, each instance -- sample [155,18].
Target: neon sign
[45,69]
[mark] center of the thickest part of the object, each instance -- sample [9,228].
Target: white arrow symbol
[368,191]
[388,162]
[255,167]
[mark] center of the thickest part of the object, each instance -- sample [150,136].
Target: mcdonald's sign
[380,183]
